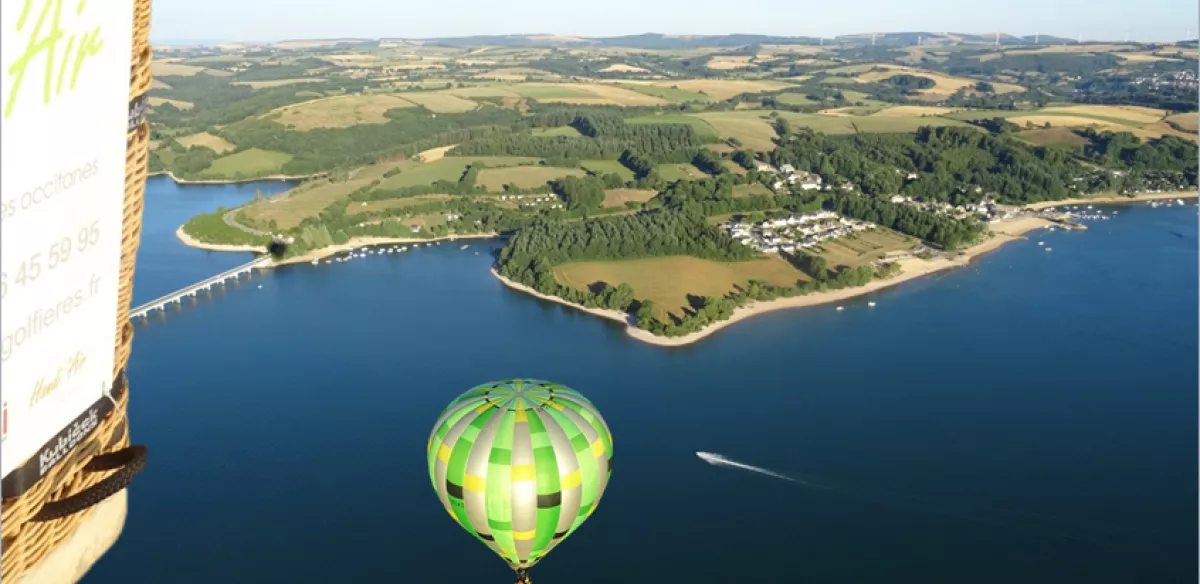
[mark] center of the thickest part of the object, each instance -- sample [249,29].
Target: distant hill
[663,41]
[660,41]
[639,41]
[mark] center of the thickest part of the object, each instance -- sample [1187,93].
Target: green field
[864,247]
[550,92]
[248,164]
[494,179]
[211,228]
[701,127]
[603,167]
[450,168]
[559,131]
[751,127]
[673,172]
[668,93]
[794,99]
[986,114]
[868,124]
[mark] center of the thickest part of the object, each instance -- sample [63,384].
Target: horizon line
[214,42]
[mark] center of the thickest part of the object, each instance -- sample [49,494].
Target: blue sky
[272,20]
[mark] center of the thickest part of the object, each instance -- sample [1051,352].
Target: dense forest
[962,165]
[408,131]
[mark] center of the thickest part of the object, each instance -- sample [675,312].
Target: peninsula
[671,193]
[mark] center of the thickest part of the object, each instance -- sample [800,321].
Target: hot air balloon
[520,464]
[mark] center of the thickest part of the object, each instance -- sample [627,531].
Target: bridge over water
[230,274]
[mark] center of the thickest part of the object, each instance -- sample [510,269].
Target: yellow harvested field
[440,102]
[217,72]
[1160,129]
[277,82]
[342,111]
[156,84]
[351,60]
[726,63]
[1132,113]
[944,84]
[217,143]
[667,281]
[164,68]
[483,91]
[724,88]
[911,111]
[1069,121]
[618,197]
[622,68]
[183,105]
[494,179]
[607,95]
[434,153]
[1186,122]
[753,130]
[302,202]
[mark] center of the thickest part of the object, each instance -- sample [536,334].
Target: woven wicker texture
[26,543]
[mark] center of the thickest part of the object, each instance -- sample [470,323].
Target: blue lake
[1030,418]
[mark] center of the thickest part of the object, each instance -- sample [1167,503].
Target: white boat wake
[718,460]
[1047,526]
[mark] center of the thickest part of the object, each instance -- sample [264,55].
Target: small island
[673,196]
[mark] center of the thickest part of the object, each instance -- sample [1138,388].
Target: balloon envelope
[520,464]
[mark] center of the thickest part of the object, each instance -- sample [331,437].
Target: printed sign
[64,114]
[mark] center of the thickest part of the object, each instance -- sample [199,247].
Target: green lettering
[43,43]
[89,46]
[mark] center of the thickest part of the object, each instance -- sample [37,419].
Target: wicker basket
[27,542]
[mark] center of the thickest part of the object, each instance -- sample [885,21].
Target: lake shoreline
[911,269]
[1113,200]
[190,241]
[271,178]
[357,242]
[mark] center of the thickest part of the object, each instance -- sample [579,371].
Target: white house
[787,169]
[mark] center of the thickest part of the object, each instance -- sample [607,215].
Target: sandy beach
[1113,199]
[196,243]
[911,269]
